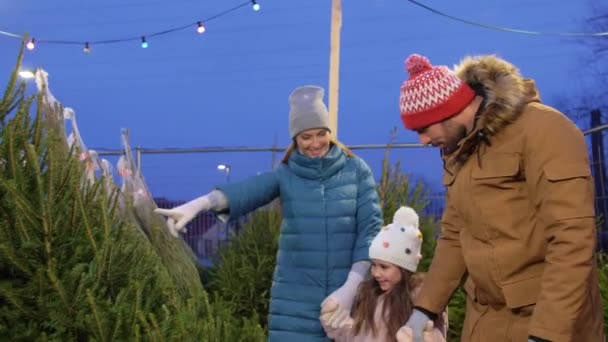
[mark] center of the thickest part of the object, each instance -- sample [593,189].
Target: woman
[330,211]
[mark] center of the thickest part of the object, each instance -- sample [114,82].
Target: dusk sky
[229,86]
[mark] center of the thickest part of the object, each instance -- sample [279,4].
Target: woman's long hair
[397,308]
[332,142]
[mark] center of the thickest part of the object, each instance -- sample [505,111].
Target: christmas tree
[82,260]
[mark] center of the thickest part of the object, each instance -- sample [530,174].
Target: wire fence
[206,233]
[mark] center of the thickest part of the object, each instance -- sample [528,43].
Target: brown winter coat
[519,222]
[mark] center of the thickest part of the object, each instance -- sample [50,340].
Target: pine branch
[20,264]
[85,219]
[11,95]
[117,327]
[100,330]
[12,103]
[155,327]
[145,325]
[20,201]
[42,202]
[137,304]
[37,132]
[8,293]
[51,273]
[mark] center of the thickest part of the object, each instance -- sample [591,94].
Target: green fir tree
[74,264]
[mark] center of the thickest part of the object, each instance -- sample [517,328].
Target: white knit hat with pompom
[399,242]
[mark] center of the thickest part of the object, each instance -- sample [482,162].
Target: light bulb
[200,28]
[144,43]
[26,74]
[30,45]
[86,49]
[256,6]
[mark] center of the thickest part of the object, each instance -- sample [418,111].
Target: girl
[384,301]
[330,211]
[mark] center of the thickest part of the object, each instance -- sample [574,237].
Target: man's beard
[455,135]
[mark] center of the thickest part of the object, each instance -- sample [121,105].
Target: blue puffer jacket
[330,214]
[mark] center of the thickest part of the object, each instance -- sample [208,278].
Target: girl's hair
[397,309]
[333,141]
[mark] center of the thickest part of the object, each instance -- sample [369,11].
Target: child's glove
[345,295]
[405,334]
[333,315]
[329,306]
[429,334]
[334,319]
[417,323]
[338,319]
[179,217]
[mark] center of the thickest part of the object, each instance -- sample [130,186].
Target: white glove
[340,319]
[329,306]
[179,217]
[345,295]
[333,318]
[417,324]
[405,334]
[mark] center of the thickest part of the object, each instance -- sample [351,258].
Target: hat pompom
[406,216]
[416,63]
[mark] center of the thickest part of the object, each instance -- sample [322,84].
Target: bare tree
[593,70]
[598,47]
[595,102]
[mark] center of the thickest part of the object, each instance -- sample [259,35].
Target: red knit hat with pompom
[431,94]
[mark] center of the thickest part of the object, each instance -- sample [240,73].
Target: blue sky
[229,86]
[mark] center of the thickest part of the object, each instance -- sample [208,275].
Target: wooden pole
[334,65]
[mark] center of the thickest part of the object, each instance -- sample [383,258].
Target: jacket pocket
[568,189]
[522,292]
[498,166]
[559,172]
[479,296]
[497,182]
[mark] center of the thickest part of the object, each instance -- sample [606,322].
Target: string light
[200,27]
[30,45]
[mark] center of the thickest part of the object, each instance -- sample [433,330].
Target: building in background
[205,234]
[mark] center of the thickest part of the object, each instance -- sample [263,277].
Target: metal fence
[597,155]
[206,233]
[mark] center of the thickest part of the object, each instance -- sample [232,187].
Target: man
[519,223]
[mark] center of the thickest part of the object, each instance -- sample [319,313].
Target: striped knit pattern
[431,94]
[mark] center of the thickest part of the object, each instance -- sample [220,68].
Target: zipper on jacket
[326,240]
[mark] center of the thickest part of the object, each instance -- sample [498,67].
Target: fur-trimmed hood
[506,91]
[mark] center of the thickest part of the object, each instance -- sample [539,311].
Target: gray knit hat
[307,110]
